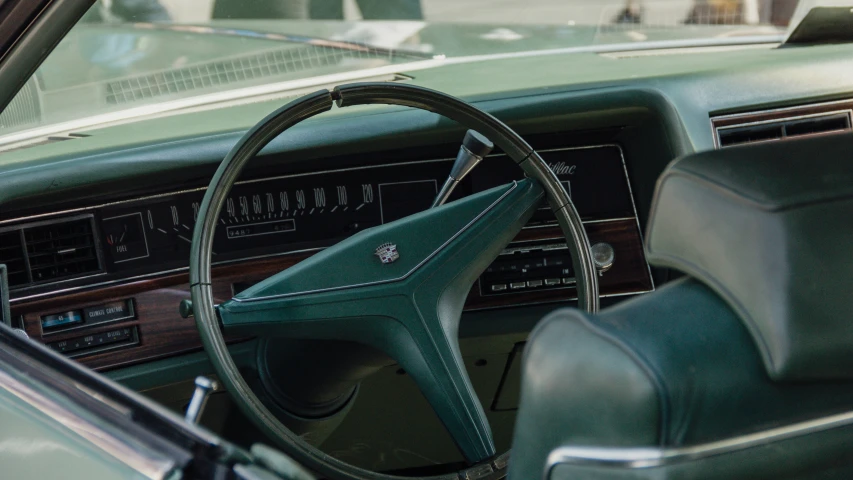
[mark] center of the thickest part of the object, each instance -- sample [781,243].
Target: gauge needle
[191,242]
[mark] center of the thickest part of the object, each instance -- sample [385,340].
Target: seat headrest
[769,227]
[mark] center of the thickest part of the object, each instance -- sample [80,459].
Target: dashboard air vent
[12,254]
[46,252]
[61,250]
[741,133]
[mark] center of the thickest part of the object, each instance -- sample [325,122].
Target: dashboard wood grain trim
[164,333]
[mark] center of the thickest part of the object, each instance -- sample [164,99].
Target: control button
[569,281]
[534,283]
[603,256]
[59,319]
[62,347]
[108,312]
[185,308]
[517,285]
[93,341]
[499,287]
[552,281]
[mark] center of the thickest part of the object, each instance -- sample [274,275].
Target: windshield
[131,58]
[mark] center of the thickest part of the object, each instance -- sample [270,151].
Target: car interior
[618,262]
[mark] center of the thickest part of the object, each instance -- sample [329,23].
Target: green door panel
[35,446]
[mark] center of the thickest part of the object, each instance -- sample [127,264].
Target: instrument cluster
[314,210]
[292,213]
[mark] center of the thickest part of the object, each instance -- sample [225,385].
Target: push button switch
[96,342]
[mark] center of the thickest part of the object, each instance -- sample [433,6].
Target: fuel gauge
[124,237]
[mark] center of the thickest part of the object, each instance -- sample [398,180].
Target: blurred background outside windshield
[542,12]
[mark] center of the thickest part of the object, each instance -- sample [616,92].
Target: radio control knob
[185,308]
[603,256]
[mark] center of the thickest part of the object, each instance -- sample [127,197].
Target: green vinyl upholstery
[740,370]
[670,369]
[767,227]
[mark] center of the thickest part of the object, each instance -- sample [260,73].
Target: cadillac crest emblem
[387,253]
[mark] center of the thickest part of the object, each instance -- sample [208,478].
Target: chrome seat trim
[651,457]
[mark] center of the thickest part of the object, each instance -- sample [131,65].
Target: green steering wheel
[409,308]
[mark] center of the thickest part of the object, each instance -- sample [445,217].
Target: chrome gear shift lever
[474,148]
[203,388]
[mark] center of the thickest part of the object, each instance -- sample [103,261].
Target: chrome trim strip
[625,47]
[650,457]
[636,216]
[585,222]
[553,225]
[551,301]
[848,111]
[781,109]
[390,280]
[148,465]
[144,276]
[691,50]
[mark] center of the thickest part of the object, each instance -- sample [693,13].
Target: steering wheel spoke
[433,360]
[409,307]
[440,252]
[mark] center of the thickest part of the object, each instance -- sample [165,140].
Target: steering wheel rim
[207,319]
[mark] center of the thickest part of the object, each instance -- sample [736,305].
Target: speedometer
[280,214]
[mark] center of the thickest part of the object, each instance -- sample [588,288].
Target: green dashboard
[637,110]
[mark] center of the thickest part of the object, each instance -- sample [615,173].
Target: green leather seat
[743,369]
